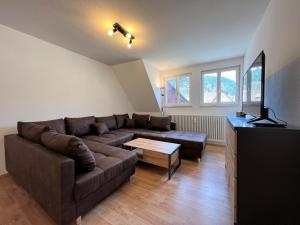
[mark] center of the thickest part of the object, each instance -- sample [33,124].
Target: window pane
[228,86]
[256,84]
[171,91]
[210,88]
[184,90]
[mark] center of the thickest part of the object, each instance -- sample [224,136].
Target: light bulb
[128,35]
[110,32]
[129,45]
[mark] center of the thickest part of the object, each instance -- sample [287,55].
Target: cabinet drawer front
[232,164]
[233,197]
[231,138]
[233,191]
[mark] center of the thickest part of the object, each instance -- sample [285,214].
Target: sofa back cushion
[110,121]
[121,119]
[72,147]
[80,126]
[32,131]
[141,121]
[58,125]
[100,128]
[160,123]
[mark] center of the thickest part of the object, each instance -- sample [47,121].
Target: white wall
[278,34]
[40,81]
[196,71]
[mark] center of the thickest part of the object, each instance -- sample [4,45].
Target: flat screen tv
[253,87]
[253,94]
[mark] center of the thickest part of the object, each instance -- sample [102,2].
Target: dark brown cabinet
[263,169]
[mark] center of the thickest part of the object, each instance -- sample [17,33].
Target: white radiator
[213,126]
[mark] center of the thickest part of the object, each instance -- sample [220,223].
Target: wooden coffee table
[158,153]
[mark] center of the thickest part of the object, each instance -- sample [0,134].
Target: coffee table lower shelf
[169,161]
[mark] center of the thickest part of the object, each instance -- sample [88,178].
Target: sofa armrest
[173,126]
[49,177]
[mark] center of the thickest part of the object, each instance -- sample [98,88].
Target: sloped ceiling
[155,80]
[141,85]
[169,33]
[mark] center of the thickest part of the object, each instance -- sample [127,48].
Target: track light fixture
[118,27]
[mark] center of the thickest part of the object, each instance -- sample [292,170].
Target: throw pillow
[72,147]
[121,120]
[100,128]
[141,121]
[160,123]
[129,123]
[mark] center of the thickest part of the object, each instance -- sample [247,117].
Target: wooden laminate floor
[196,194]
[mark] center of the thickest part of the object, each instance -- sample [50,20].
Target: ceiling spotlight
[130,43]
[118,27]
[111,32]
[128,35]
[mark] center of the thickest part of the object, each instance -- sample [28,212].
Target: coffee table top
[152,145]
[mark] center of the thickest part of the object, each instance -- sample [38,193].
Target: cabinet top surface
[242,122]
[239,122]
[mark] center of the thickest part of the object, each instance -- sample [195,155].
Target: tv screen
[253,87]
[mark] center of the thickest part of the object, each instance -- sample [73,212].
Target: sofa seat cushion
[127,158]
[113,138]
[110,162]
[187,139]
[88,183]
[112,166]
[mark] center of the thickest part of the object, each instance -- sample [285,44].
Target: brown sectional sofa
[51,177]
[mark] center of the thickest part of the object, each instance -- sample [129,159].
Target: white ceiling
[169,33]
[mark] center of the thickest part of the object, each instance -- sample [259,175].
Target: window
[210,81]
[220,86]
[178,90]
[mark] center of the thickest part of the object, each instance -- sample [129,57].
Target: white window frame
[177,77]
[218,72]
